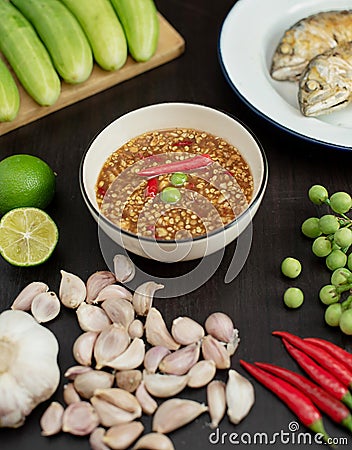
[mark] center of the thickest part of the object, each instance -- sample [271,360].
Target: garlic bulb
[29,373]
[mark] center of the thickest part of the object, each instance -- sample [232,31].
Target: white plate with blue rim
[248,39]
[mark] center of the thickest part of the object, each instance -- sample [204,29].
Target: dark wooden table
[254,298]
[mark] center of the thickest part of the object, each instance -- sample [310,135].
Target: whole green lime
[25,180]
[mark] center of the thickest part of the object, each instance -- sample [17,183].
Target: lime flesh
[28,236]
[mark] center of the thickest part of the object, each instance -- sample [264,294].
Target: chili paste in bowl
[174,181]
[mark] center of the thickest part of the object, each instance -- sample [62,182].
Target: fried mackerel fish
[326,84]
[308,38]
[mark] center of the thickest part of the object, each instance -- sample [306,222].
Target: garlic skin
[154,441]
[110,344]
[120,437]
[45,307]
[96,439]
[148,404]
[51,420]
[143,297]
[186,331]
[97,282]
[83,347]
[240,396]
[175,413]
[131,358]
[92,318]
[79,419]
[180,361]
[201,373]
[156,331]
[214,350]
[216,397]
[129,380]
[24,299]
[124,268]
[154,356]
[29,373]
[164,386]
[113,292]
[72,291]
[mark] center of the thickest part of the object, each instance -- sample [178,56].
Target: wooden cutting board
[171,45]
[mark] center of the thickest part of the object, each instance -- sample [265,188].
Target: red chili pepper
[339,353]
[196,162]
[328,404]
[183,143]
[101,191]
[320,375]
[298,403]
[322,357]
[152,188]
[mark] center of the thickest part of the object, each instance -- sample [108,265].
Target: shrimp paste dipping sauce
[174,184]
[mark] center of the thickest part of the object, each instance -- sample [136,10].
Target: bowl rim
[233,223]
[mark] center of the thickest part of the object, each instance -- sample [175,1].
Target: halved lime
[28,236]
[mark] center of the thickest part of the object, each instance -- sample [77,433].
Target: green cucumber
[103,29]
[139,19]
[27,56]
[9,95]
[62,35]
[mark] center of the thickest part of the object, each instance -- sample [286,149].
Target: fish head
[295,50]
[324,87]
[287,62]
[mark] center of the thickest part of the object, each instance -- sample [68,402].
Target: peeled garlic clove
[154,356]
[136,329]
[239,396]
[143,297]
[70,394]
[72,291]
[154,441]
[201,373]
[83,347]
[113,292]
[156,331]
[119,311]
[86,383]
[120,398]
[214,350]
[130,358]
[45,307]
[96,439]
[51,420]
[72,372]
[186,331]
[24,299]
[109,414]
[128,380]
[216,397]
[220,326]
[180,361]
[79,419]
[98,281]
[175,413]
[120,437]
[92,318]
[110,343]
[163,386]
[148,404]
[124,268]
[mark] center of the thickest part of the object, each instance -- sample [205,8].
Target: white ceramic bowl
[163,116]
